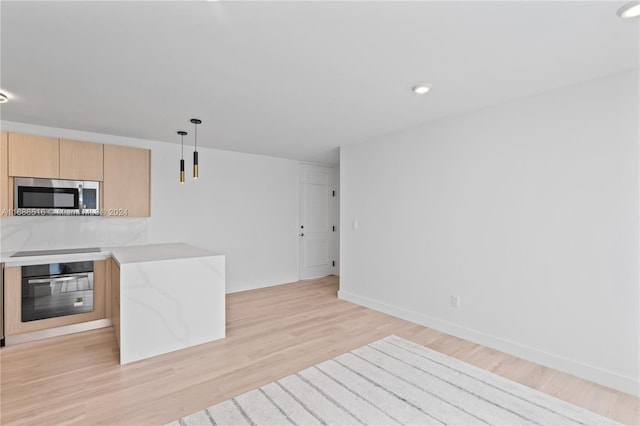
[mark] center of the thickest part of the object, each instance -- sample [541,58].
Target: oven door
[55,296]
[35,197]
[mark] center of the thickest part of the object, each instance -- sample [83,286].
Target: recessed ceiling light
[421,88]
[3,98]
[630,10]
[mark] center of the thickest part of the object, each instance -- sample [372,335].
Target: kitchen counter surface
[52,258]
[122,255]
[158,252]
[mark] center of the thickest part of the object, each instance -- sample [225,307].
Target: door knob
[302,234]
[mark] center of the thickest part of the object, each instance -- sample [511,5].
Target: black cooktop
[52,252]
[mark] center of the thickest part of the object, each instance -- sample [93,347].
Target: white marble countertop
[52,258]
[122,255]
[158,252]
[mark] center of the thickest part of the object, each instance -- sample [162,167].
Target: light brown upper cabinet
[33,156]
[41,157]
[81,160]
[123,171]
[126,187]
[4,175]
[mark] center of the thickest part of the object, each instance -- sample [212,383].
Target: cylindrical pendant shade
[195,122]
[195,164]
[182,135]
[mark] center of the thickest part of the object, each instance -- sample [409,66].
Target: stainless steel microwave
[56,197]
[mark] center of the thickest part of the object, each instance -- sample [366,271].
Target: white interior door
[316,230]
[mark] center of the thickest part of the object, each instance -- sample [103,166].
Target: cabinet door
[108,288]
[5,190]
[115,299]
[126,188]
[81,160]
[34,156]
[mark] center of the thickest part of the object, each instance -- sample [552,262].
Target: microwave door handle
[80,201]
[57,280]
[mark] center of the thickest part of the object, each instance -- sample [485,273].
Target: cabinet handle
[58,279]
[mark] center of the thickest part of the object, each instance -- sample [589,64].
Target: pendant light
[182,135]
[195,122]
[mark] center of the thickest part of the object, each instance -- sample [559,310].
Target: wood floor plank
[271,333]
[522,371]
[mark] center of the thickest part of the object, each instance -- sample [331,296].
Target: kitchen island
[169,297]
[159,297]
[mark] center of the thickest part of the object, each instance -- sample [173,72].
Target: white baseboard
[604,377]
[255,286]
[237,288]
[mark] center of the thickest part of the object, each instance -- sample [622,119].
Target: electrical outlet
[455,301]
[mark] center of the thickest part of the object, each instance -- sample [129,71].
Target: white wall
[528,211]
[244,206]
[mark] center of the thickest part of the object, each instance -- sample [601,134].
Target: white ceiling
[293,79]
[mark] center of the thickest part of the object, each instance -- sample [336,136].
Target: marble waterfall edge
[170,305]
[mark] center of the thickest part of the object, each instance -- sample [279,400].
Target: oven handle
[58,279]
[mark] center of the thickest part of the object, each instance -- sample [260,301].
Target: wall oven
[41,197]
[56,289]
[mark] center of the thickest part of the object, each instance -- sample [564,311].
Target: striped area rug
[393,381]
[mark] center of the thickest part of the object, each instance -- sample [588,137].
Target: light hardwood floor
[271,333]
